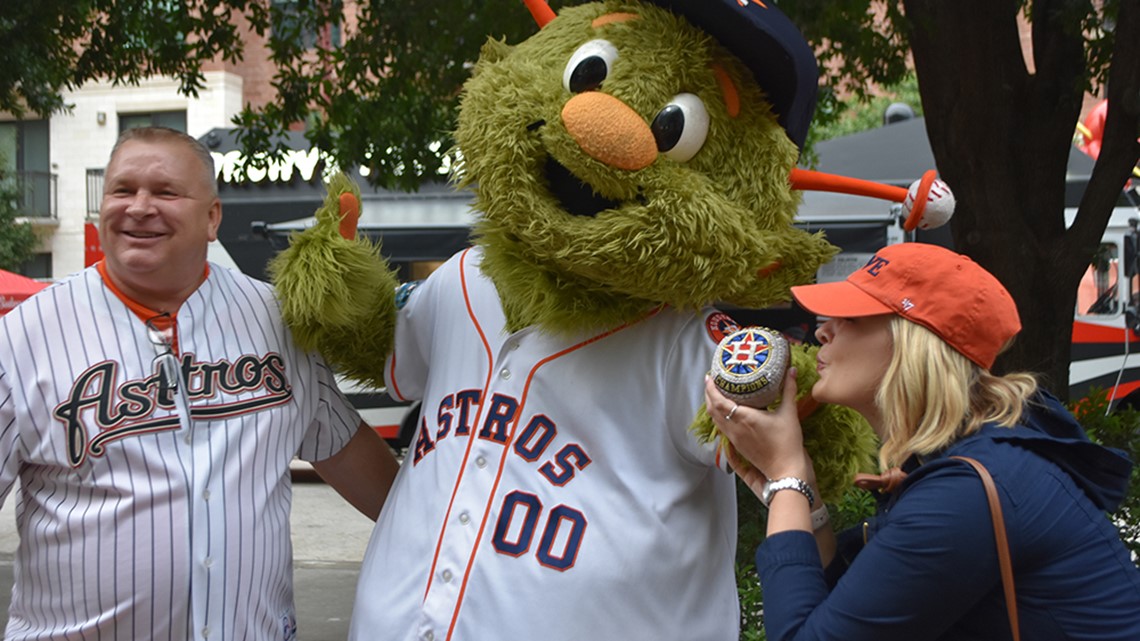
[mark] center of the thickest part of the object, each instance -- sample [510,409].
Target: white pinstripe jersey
[554,490]
[135,521]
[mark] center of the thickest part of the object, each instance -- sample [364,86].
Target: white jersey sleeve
[407,369]
[336,421]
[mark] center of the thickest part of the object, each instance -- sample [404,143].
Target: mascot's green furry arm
[612,175]
[337,295]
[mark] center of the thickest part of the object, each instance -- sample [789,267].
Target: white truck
[1106,345]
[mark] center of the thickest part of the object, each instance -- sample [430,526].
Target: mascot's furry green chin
[622,160]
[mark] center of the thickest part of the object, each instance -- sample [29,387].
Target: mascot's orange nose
[609,131]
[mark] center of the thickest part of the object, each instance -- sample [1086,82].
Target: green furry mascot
[633,165]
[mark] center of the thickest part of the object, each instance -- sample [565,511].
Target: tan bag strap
[1002,543]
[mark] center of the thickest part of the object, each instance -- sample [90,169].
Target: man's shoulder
[56,294]
[230,277]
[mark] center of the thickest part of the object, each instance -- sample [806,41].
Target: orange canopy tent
[14,288]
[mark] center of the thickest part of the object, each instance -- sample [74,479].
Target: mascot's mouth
[575,196]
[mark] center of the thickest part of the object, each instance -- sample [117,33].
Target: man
[150,406]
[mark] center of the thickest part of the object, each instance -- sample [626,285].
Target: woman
[909,343]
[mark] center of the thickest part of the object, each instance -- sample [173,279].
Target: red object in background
[92,250]
[1091,136]
[387,432]
[14,289]
[1092,132]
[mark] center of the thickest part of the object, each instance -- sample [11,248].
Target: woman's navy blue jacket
[928,568]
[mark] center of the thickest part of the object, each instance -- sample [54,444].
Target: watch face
[766,494]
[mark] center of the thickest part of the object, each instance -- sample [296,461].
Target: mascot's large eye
[589,66]
[682,127]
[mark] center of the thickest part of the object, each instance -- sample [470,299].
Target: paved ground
[329,538]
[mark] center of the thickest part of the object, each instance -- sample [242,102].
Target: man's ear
[215,215]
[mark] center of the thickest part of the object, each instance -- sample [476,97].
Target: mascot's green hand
[840,441]
[337,293]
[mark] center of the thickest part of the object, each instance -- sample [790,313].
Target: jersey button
[205,632]
[464,518]
[187,439]
[505,373]
[446,576]
[206,495]
[208,561]
[480,462]
[429,636]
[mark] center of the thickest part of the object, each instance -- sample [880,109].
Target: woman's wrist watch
[786,483]
[819,518]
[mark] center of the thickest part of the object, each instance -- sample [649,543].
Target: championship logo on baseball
[749,365]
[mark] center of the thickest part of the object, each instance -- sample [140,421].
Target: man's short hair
[166,134]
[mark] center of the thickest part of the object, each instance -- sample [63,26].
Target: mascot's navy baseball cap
[767,42]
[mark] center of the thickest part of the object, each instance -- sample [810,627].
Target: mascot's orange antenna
[540,10]
[923,192]
[805,180]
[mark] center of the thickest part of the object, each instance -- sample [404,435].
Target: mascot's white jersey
[554,491]
[135,520]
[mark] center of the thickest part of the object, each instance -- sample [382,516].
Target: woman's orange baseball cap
[941,290]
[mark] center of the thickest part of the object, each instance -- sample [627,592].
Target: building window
[39,266]
[25,157]
[290,25]
[94,190]
[171,119]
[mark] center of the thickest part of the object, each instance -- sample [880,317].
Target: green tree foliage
[386,98]
[17,240]
[56,45]
[866,112]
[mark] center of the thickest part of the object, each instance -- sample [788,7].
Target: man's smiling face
[158,214]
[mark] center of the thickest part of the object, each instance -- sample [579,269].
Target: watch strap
[820,518]
[786,483]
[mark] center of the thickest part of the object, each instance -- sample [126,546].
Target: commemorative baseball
[749,365]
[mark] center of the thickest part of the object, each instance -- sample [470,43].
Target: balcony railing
[36,194]
[94,190]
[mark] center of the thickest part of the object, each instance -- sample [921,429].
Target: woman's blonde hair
[932,395]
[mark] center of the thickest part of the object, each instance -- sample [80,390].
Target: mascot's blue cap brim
[767,42]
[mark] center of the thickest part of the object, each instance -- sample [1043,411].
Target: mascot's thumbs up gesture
[633,163]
